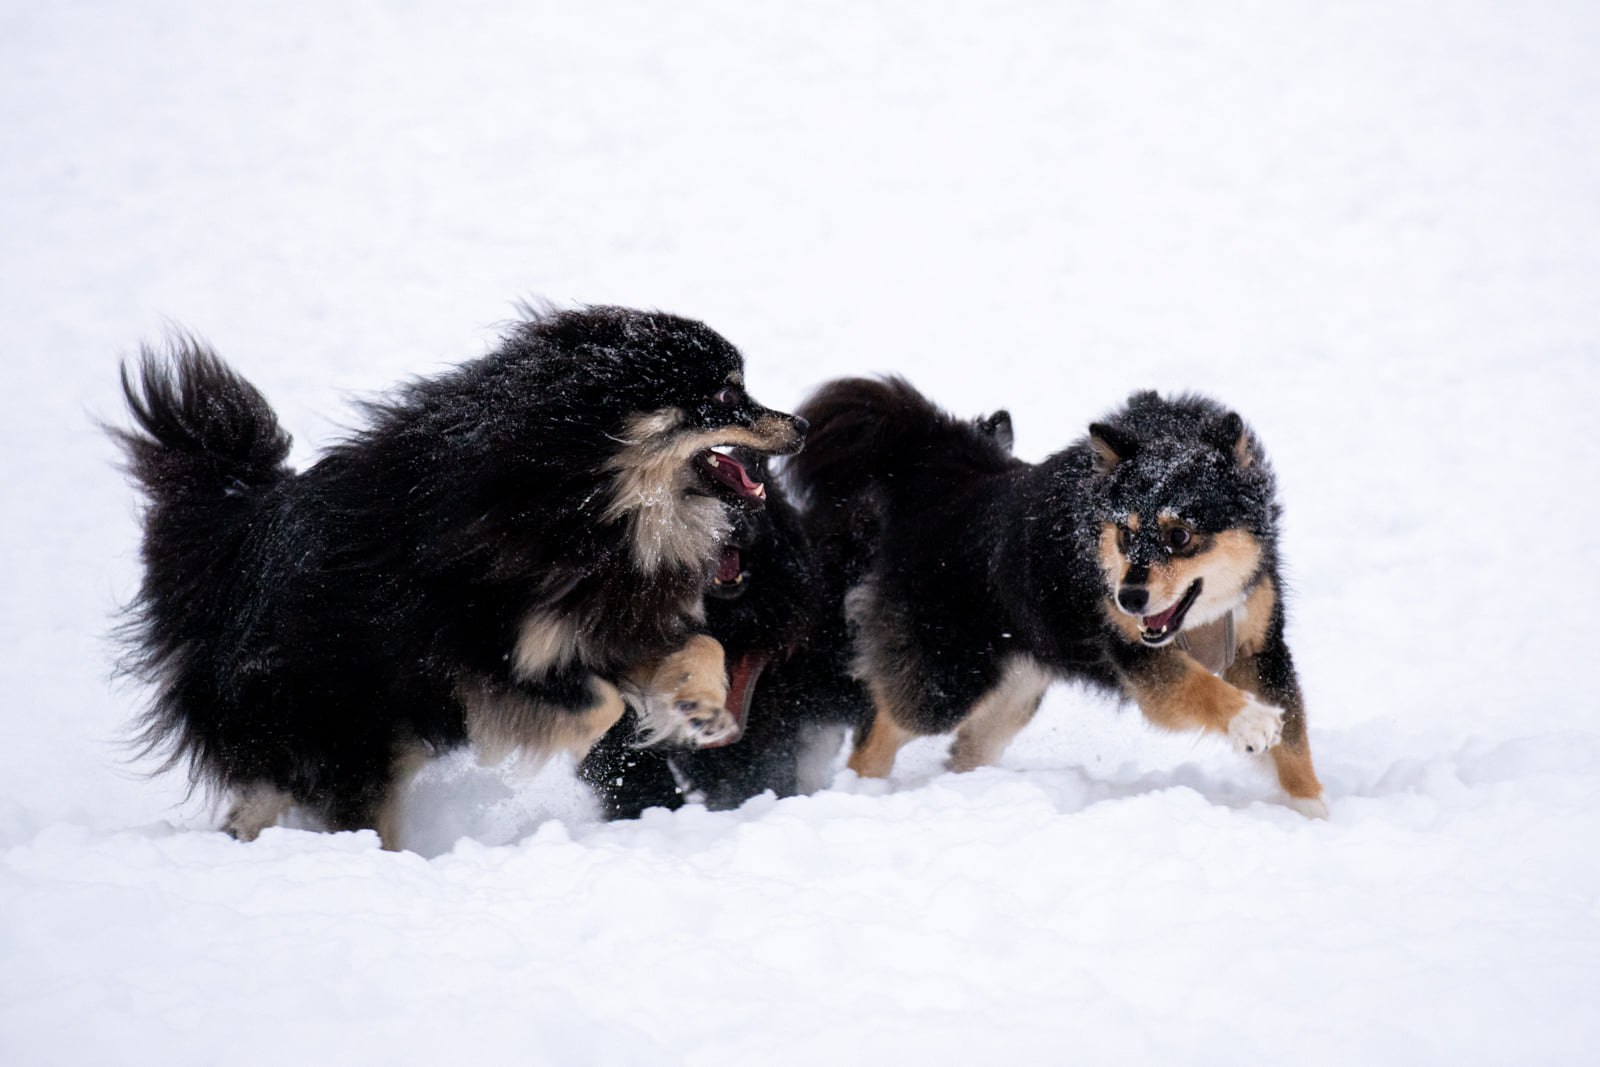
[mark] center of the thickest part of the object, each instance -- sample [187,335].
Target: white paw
[1310,807]
[1256,727]
[703,723]
[695,723]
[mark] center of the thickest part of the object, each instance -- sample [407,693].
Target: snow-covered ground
[1374,228]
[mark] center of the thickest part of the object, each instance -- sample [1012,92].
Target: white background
[1374,228]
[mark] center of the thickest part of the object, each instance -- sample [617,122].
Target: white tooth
[723,450]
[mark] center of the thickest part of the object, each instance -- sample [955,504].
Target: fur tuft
[863,428]
[205,448]
[203,430]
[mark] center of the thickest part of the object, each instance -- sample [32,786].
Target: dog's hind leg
[874,753]
[1004,710]
[502,719]
[407,763]
[255,808]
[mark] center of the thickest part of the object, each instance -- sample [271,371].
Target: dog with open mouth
[1142,559]
[762,606]
[508,554]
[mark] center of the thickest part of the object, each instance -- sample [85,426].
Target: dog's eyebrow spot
[736,377]
[646,427]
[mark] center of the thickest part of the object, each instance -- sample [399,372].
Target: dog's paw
[701,723]
[1310,807]
[685,697]
[1256,727]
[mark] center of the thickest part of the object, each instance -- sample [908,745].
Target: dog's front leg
[682,698]
[1258,707]
[1269,674]
[1177,693]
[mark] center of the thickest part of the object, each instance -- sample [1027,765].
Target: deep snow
[1371,227]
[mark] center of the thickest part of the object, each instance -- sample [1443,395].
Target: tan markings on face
[668,527]
[771,433]
[1226,561]
[1232,559]
[995,719]
[1112,563]
[501,721]
[652,474]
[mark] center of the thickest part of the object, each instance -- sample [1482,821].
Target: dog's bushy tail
[204,449]
[202,431]
[863,430]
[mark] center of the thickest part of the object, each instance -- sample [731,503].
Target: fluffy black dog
[508,553]
[1141,559]
[763,606]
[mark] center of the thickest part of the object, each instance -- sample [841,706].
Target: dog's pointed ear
[1228,434]
[1111,446]
[998,426]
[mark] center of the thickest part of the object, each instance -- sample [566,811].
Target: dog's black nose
[801,424]
[1133,598]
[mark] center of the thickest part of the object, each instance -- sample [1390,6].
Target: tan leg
[1292,758]
[500,721]
[1296,774]
[874,754]
[684,695]
[995,720]
[406,765]
[254,809]
[1183,695]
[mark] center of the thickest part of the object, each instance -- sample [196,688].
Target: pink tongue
[1156,622]
[731,473]
[728,569]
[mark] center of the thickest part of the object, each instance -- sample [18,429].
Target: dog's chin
[1159,629]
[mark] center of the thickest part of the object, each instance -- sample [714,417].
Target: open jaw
[729,476]
[729,581]
[1160,628]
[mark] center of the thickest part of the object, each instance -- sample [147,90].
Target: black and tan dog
[765,607]
[509,553]
[1141,559]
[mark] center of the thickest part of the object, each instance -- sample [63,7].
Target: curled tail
[202,429]
[872,441]
[205,449]
[859,431]
[868,432]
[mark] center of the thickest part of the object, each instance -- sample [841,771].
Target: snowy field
[1374,228]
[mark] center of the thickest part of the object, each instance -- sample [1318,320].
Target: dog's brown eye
[1124,538]
[1178,537]
[729,396]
